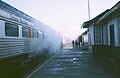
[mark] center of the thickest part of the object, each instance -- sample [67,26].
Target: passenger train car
[23,38]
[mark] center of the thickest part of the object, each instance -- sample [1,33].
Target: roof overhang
[113,12]
[94,20]
[86,24]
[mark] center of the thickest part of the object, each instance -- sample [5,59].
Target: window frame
[25,27]
[34,33]
[105,34]
[40,34]
[98,35]
[7,34]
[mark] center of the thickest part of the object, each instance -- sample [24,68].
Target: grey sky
[62,15]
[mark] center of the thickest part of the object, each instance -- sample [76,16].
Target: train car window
[11,30]
[26,32]
[40,34]
[34,33]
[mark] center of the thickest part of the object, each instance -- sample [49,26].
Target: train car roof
[15,11]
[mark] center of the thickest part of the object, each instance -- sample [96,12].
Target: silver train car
[23,38]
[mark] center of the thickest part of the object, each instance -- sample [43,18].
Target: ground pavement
[73,63]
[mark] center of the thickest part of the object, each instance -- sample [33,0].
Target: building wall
[118,28]
[105,49]
[105,34]
[113,22]
[91,35]
[85,38]
[91,38]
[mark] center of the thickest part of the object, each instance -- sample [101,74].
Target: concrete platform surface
[73,63]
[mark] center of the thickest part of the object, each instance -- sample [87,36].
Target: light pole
[89,9]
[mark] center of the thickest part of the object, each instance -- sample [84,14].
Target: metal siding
[12,46]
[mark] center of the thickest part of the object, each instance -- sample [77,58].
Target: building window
[26,32]
[34,33]
[119,29]
[11,30]
[105,34]
[98,35]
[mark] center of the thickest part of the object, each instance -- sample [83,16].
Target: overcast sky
[65,16]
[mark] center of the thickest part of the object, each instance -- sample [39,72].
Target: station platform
[73,63]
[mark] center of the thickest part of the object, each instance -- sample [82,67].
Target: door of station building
[112,36]
[112,39]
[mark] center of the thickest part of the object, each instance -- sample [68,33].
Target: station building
[104,33]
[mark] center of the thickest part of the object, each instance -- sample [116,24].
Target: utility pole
[89,9]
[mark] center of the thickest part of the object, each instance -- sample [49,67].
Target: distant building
[83,39]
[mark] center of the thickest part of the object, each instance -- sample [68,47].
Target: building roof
[113,12]
[85,32]
[94,20]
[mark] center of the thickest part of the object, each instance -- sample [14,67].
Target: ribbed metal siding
[15,46]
